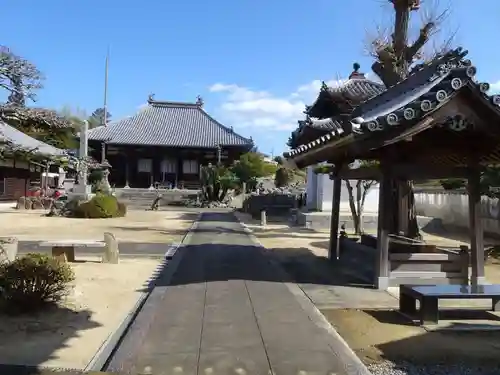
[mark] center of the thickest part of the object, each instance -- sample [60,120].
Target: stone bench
[429,296]
[64,250]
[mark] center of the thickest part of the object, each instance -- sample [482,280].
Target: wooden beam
[405,171]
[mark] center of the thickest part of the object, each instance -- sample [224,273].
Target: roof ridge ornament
[199,101]
[355,73]
[151,98]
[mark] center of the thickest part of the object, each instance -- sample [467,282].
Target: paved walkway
[226,311]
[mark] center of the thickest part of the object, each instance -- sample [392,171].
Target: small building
[165,144]
[439,122]
[17,174]
[324,116]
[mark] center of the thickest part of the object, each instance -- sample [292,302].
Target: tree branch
[423,37]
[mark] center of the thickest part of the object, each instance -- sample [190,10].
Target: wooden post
[402,206]
[127,186]
[333,249]
[476,227]
[465,261]
[384,223]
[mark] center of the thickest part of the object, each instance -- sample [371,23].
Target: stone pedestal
[111,252]
[81,192]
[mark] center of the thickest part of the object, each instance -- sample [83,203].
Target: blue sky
[255,63]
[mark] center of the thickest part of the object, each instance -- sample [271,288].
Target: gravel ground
[389,368]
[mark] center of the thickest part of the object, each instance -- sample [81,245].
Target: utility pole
[105,105]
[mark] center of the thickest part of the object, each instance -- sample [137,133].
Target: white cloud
[495,87]
[264,111]
[244,107]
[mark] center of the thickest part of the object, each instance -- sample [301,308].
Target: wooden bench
[64,250]
[429,296]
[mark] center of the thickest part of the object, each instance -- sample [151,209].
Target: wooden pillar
[476,227]
[333,249]
[180,171]
[384,223]
[127,171]
[402,206]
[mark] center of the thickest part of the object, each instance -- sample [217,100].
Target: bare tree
[393,49]
[357,193]
[396,53]
[357,201]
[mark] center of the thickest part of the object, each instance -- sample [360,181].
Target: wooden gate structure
[437,123]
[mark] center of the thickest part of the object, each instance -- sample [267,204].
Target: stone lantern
[105,167]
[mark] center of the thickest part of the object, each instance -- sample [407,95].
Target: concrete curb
[352,363]
[108,347]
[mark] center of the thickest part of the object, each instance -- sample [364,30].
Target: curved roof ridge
[169,103]
[170,124]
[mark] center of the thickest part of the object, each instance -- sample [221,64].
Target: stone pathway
[227,311]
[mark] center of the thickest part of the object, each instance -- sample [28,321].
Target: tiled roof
[426,89]
[355,90]
[171,124]
[324,124]
[18,138]
[359,89]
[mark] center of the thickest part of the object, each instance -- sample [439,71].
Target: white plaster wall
[319,190]
[371,200]
[325,196]
[311,189]
[453,209]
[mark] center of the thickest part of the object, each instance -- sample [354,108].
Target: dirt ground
[383,334]
[294,243]
[378,335]
[137,226]
[68,336]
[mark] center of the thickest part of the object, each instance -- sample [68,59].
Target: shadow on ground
[30,340]
[220,262]
[386,335]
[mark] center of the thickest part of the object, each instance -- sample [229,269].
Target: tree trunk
[359,208]
[413,229]
[400,37]
[352,205]
[392,65]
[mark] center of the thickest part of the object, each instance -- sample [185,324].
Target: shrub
[101,206]
[32,281]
